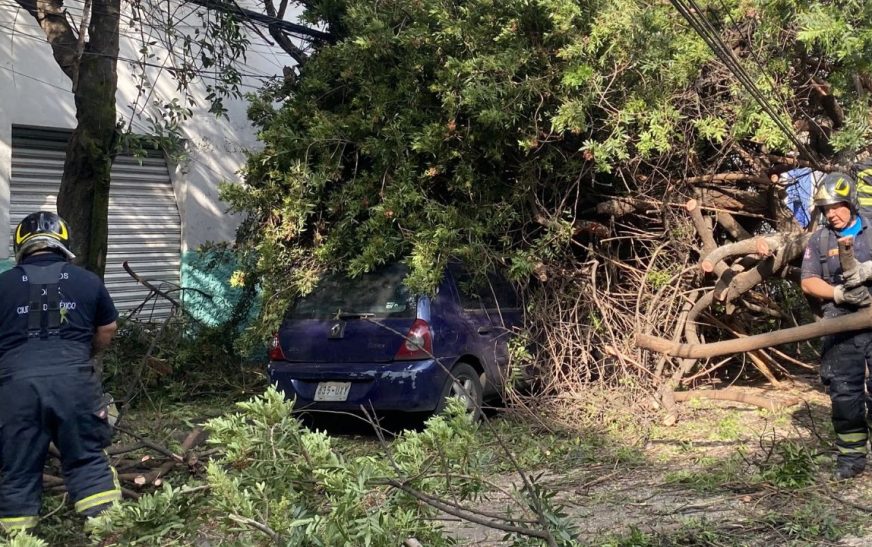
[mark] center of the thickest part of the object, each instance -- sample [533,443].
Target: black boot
[848,469]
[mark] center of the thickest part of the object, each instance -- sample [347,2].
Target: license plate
[332,391]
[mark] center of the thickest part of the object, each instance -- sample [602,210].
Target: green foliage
[691,532]
[22,539]
[729,427]
[429,130]
[534,448]
[713,474]
[148,521]
[185,359]
[711,128]
[795,466]
[856,131]
[212,55]
[277,482]
[659,278]
[634,538]
[274,471]
[811,522]
[564,532]
[199,350]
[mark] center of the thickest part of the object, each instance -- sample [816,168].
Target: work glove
[864,271]
[857,297]
[860,276]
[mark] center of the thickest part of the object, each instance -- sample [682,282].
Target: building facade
[161,213]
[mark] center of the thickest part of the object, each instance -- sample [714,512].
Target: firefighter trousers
[844,361]
[64,408]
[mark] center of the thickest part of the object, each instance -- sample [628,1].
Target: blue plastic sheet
[800,190]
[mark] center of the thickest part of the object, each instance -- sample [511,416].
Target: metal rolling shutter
[144,224]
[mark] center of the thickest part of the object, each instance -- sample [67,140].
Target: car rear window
[487,292]
[379,295]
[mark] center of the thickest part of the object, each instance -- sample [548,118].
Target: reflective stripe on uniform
[844,450]
[100,498]
[853,437]
[864,189]
[18,523]
[861,176]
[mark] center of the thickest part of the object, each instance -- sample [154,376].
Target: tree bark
[49,14]
[858,320]
[83,200]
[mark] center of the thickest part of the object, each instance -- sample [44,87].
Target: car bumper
[409,386]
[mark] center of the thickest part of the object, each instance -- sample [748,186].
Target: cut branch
[703,229]
[729,223]
[194,438]
[858,320]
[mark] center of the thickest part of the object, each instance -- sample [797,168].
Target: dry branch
[194,438]
[796,162]
[729,177]
[733,201]
[703,229]
[736,395]
[469,515]
[858,320]
[729,223]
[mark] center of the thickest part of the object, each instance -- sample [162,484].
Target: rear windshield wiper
[351,315]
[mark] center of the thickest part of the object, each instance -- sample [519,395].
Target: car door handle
[484,330]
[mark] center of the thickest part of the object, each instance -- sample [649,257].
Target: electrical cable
[13,33]
[178,22]
[727,53]
[692,14]
[763,70]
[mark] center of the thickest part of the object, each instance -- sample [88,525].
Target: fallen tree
[740,266]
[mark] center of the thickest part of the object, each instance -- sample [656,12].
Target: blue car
[370,342]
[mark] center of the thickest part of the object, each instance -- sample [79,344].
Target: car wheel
[464,384]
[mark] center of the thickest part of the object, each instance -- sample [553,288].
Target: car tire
[465,383]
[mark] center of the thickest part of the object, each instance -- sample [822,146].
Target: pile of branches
[701,259]
[142,464]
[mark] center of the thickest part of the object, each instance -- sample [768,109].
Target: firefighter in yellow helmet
[54,316]
[844,356]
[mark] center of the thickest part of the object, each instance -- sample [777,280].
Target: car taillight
[418,343]
[275,349]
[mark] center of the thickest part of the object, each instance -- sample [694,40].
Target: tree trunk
[83,200]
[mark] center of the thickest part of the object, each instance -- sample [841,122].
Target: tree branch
[858,320]
[467,515]
[49,15]
[285,43]
[260,18]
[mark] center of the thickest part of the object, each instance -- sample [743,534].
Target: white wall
[34,91]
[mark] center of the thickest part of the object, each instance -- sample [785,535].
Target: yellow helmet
[835,188]
[40,231]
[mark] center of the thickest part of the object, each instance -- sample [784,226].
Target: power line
[141,127]
[692,14]
[13,33]
[234,10]
[134,38]
[267,21]
[763,70]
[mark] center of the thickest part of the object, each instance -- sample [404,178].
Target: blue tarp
[800,190]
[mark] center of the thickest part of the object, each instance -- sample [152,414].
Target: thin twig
[257,526]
